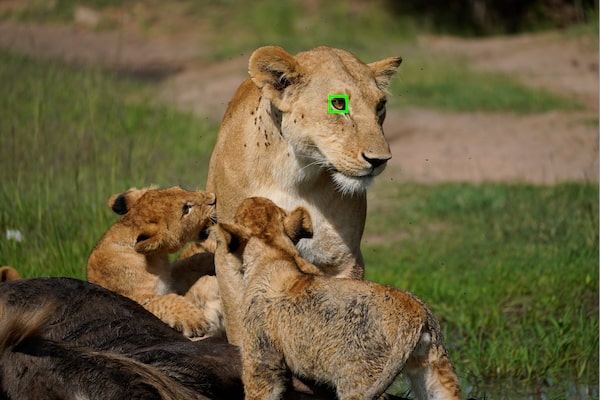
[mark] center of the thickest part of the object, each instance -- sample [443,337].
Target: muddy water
[567,390]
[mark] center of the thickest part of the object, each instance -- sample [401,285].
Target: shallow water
[515,391]
[512,390]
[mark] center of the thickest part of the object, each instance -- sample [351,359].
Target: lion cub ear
[149,238]
[232,235]
[384,70]
[298,225]
[8,274]
[273,69]
[121,203]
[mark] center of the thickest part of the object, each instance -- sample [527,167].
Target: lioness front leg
[179,313]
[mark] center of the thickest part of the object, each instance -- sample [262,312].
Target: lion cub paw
[205,295]
[181,314]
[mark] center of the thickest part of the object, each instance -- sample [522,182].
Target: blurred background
[488,209]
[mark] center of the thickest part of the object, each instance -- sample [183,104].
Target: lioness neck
[266,160]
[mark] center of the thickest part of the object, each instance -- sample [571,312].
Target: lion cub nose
[376,161]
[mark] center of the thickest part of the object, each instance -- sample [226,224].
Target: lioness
[132,257]
[278,140]
[354,335]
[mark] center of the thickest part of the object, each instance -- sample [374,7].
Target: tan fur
[132,257]
[354,335]
[8,274]
[277,140]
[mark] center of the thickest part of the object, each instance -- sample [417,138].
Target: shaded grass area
[69,139]
[367,29]
[296,26]
[510,270]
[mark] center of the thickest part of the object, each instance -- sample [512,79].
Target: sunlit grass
[510,270]
[69,138]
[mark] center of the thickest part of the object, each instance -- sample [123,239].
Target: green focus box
[337,104]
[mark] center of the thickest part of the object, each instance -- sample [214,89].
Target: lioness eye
[338,103]
[186,209]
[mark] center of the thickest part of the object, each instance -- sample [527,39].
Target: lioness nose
[376,161]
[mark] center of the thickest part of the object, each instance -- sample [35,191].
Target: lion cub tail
[406,342]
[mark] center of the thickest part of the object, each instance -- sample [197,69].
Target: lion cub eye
[186,209]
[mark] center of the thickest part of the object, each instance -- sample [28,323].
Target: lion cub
[132,258]
[354,335]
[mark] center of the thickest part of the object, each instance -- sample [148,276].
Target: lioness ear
[148,239]
[298,225]
[121,203]
[273,69]
[384,70]
[232,236]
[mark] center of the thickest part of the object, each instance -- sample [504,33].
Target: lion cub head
[264,227]
[163,220]
[132,257]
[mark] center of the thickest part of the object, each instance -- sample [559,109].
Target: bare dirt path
[547,148]
[427,145]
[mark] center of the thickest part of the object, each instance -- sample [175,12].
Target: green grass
[68,139]
[510,270]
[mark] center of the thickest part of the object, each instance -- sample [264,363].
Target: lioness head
[165,219]
[351,145]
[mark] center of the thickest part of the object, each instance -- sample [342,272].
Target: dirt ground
[427,145]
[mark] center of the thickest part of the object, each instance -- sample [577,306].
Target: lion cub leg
[205,295]
[179,313]
[264,370]
[430,371]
